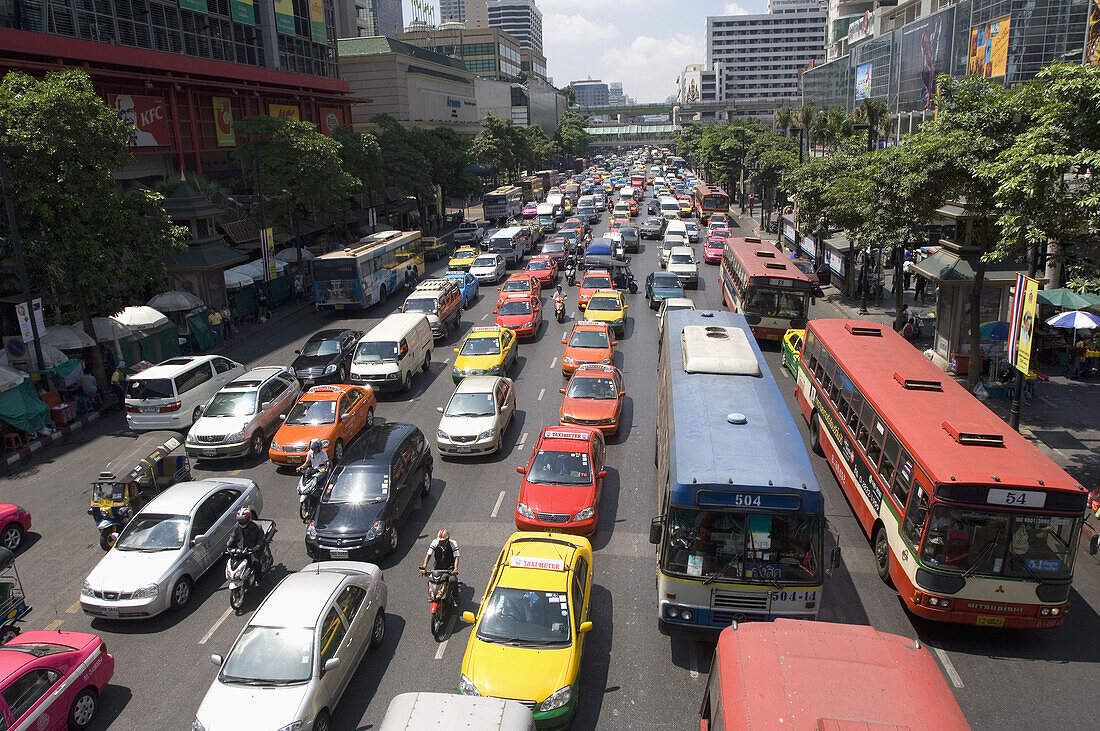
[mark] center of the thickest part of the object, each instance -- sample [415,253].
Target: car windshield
[515,307]
[150,388]
[485,261]
[560,468]
[151,532]
[554,248]
[1000,544]
[231,403]
[375,352]
[538,266]
[771,302]
[420,304]
[464,254]
[588,339]
[312,413]
[270,656]
[517,285]
[471,404]
[481,346]
[681,259]
[591,388]
[599,282]
[357,483]
[526,617]
[328,346]
[655,222]
[605,304]
[746,547]
[666,280]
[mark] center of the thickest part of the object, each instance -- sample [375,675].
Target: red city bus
[968,520]
[637,181]
[772,293]
[794,674]
[710,199]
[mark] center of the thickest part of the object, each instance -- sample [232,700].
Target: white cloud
[649,66]
[734,9]
[568,30]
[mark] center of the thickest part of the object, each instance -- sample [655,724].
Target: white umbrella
[67,338]
[140,317]
[10,378]
[290,256]
[50,354]
[235,279]
[174,301]
[107,330]
[255,269]
[1076,319]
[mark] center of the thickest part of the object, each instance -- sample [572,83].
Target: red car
[633,208]
[562,481]
[712,249]
[52,681]
[544,269]
[16,522]
[521,313]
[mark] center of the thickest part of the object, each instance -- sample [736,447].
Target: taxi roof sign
[327,389]
[486,329]
[527,562]
[563,434]
[596,367]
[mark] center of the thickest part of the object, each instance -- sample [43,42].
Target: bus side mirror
[655,531]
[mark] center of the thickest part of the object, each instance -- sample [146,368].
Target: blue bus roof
[765,454]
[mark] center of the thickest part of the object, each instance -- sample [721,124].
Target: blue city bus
[740,524]
[368,272]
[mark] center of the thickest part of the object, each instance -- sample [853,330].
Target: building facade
[361,18]
[521,18]
[487,52]
[591,92]
[452,10]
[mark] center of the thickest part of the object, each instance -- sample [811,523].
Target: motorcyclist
[316,458]
[250,537]
[444,551]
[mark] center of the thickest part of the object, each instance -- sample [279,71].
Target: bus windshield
[1004,544]
[746,547]
[771,302]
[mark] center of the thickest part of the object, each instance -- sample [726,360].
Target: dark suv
[326,357]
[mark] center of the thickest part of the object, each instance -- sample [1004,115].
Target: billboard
[317,21]
[925,53]
[1022,327]
[243,11]
[281,111]
[223,121]
[146,116]
[284,16]
[863,81]
[989,48]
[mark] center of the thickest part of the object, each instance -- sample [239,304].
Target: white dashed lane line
[542,392]
[214,627]
[496,508]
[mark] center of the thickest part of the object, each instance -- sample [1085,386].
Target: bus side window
[856,407]
[917,513]
[902,477]
[866,421]
[889,459]
[826,375]
[809,352]
[878,437]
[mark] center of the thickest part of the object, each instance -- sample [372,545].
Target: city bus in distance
[368,272]
[821,675]
[968,520]
[740,523]
[532,189]
[710,199]
[503,203]
[772,293]
[637,181]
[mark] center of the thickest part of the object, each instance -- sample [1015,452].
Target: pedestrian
[921,283]
[907,272]
[299,287]
[263,312]
[118,382]
[228,323]
[214,317]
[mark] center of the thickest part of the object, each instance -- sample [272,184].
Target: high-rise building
[761,57]
[477,14]
[487,52]
[452,10]
[615,92]
[364,18]
[590,92]
[521,18]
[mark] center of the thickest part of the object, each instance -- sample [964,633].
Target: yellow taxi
[462,258]
[686,207]
[529,631]
[607,305]
[486,351]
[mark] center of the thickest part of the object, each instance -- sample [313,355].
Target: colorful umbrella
[1075,319]
[996,331]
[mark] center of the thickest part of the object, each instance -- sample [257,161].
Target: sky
[645,44]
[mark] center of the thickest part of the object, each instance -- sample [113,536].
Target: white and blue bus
[368,272]
[741,523]
[503,203]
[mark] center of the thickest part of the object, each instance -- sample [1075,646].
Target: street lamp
[17,245]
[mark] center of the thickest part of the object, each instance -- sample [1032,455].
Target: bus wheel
[882,555]
[815,435]
[382,293]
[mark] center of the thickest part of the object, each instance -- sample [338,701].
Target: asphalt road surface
[632,676]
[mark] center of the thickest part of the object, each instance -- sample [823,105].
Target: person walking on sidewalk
[907,272]
[921,284]
[263,309]
[299,287]
[214,317]
[118,382]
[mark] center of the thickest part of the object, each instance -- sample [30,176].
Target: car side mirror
[563,341]
[282,417]
[331,664]
[655,531]
[603,474]
[521,470]
[439,409]
[216,660]
[561,391]
[345,417]
[1094,544]
[297,352]
[199,539]
[585,627]
[455,349]
[468,616]
[496,312]
[614,342]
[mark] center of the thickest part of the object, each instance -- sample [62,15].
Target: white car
[166,547]
[693,231]
[292,662]
[242,417]
[489,268]
[672,303]
[681,262]
[476,417]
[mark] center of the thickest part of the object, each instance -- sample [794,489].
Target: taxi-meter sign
[526,562]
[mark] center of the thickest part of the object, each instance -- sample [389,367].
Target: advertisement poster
[925,53]
[199,6]
[243,11]
[317,21]
[863,81]
[331,118]
[267,252]
[1022,327]
[284,16]
[22,314]
[1092,39]
[989,48]
[223,121]
[282,111]
[147,116]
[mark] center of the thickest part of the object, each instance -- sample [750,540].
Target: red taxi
[587,342]
[594,397]
[521,313]
[633,208]
[716,242]
[593,280]
[544,269]
[574,224]
[562,481]
[518,283]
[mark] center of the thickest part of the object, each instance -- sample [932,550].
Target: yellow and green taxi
[685,207]
[462,258]
[607,305]
[486,351]
[434,248]
[792,348]
[530,627]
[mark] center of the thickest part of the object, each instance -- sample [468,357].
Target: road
[632,677]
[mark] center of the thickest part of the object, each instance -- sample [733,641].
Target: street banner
[243,11]
[317,21]
[282,111]
[1025,302]
[989,48]
[22,314]
[267,251]
[199,6]
[284,16]
[223,121]
[146,116]
[331,118]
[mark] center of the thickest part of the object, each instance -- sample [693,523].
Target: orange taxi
[518,283]
[592,280]
[319,414]
[587,342]
[594,397]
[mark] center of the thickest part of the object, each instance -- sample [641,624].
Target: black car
[652,228]
[651,207]
[370,494]
[630,239]
[326,357]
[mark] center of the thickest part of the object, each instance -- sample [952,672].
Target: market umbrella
[141,317]
[50,354]
[10,378]
[1075,319]
[1064,298]
[290,256]
[997,331]
[235,279]
[67,338]
[255,269]
[107,330]
[175,301]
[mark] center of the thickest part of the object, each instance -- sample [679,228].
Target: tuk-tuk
[434,248]
[156,461]
[13,604]
[621,276]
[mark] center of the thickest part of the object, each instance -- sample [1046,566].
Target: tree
[406,168]
[361,156]
[541,147]
[570,95]
[784,120]
[96,247]
[493,146]
[773,157]
[876,115]
[687,139]
[804,120]
[571,135]
[448,155]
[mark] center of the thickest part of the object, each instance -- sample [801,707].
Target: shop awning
[21,407]
[947,267]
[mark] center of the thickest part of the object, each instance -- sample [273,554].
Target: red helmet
[444,534]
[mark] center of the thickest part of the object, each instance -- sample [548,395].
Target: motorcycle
[238,569]
[559,309]
[309,492]
[442,601]
[571,273]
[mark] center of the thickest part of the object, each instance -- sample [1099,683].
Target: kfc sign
[146,116]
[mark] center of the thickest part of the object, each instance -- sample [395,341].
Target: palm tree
[839,124]
[804,120]
[876,115]
[784,120]
[819,129]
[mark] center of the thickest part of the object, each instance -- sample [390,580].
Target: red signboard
[331,118]
[147,116]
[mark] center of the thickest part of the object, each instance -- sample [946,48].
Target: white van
[675,235]
[450,711]
[558,201]
[172,394]
[545,213]
[670,208]
[393,352]
[511,243]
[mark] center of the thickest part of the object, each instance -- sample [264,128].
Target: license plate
[150,409]
[338,553]
[339,307]
[209,452]
[110,611]
[294,460]
[462,449]
[986,621]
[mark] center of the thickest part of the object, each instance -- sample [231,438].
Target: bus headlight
[686,615]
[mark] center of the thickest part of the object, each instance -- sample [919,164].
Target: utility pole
[17,246]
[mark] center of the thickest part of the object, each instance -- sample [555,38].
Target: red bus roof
[954,437]
[703,190]
[761,259]
[796,674]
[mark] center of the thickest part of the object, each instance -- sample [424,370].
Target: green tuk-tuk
[434,248]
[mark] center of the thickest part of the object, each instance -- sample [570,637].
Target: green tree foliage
[541,148]
[495,146]
[571,135]
[361,156]
[687,139]
[876,115]
[570,94]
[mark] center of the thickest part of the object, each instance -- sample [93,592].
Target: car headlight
[330,369]
[617,321]
[441,434]
[197,726]
[568,419]
[586,513]
[525,511]
[296,726]
[557,699]
[147,592]
[235,437]
[311,531]
[275,447]
[605,361]
[86,589]
[568,361]
[529,323]
[393,376]
[374,531]
[487,433]
[191,438]
[467,687]
[610,420]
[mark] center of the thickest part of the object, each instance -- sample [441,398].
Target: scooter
[559,309]
[238,569]
[442,601]
[571,273]
[309,492]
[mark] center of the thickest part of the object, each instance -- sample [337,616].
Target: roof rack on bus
[962,436]
[763,253]
[863,330]
[918,384]
[775,265]
[753,239]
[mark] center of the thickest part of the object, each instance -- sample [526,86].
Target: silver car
[476,417]
[166,547]
[242,417]
[292,662]
[489,268]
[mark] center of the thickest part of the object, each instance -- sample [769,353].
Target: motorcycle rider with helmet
[444,551]
[250,537]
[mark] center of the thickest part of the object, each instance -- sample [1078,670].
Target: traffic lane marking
[554,362]
[542,392]
[53,625]
[949,668]
[214,627]
[73,609]
[496,508]
[443,645]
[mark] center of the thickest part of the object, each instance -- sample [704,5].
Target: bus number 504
[746,501]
